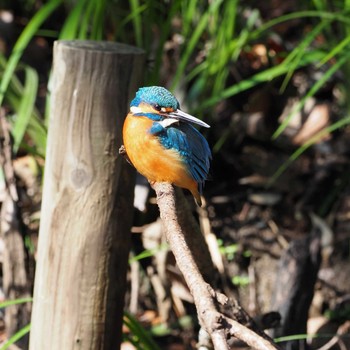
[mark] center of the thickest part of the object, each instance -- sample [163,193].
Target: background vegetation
[272,80]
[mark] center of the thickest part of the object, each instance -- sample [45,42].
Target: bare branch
[215,311]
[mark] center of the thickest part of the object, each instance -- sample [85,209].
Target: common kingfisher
[162,144]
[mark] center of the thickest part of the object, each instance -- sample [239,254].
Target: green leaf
[35,128]
[21,333]
[98,20]
[295,56]
[85,20]
[26,106]
[240,281]
[71,25]
[136,19]
[319,83]
[143,339]
[341,123]
[15,302]
[23,41]
[341,46]
[147,253]
[189,12]
[333,16]
[193,40]
[262,77]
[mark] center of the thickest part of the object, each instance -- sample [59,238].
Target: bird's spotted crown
[155,95]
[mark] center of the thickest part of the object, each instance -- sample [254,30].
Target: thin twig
[343,329]
[212,307]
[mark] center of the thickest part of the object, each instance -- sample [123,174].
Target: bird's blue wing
[192,147]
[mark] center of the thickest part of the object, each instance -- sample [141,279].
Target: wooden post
[87,202]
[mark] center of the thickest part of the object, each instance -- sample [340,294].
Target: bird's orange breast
[151,159]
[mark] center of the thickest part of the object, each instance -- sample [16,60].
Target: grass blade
[26,106]
[85,19]
[189,11]
[166,29]
[294,57]
[21,333]
[191,44]
[69,30]
[335,50]
[137,21]
[336,16]
[142,335]
[147,253]
[262,77]
[23,41]
[98,20]
[15,302]
[341,123]
[319,83]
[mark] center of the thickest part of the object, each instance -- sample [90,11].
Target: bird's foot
[122,152]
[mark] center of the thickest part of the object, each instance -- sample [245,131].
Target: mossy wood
[87,203]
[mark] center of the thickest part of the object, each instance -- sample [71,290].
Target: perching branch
[219,316]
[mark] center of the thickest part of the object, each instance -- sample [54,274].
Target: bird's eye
[157,108]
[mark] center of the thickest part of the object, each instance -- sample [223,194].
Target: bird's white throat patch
[135,110]
[168,121]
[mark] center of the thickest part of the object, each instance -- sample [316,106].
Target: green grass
[215,29]
[22,332]
[22,97]
[138,336]
[147,253]
[22,42]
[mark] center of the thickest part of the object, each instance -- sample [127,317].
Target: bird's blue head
[157,101]
[157,97]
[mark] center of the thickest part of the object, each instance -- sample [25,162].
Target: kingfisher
[162,143]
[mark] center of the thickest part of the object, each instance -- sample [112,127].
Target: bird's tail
[197,197]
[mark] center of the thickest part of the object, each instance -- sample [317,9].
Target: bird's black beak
[180,115]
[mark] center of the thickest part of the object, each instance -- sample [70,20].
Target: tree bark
[87,207]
